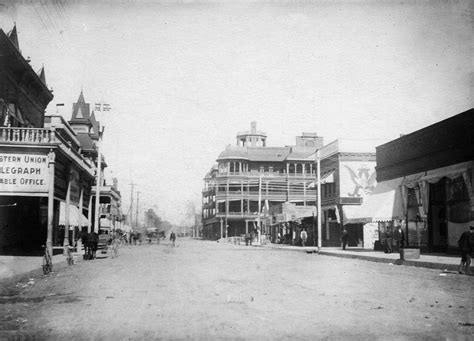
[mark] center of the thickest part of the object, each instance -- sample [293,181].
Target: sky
[184,77]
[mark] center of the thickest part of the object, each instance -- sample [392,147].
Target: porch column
[248,197]
[304,193]
[66,219]
[287,182]
[79,213]
[246,226]
[226,203]
[222,228]
[49,235]
[242,197]
[89,214]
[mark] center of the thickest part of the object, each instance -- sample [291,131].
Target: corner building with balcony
[41,164]
[251,176]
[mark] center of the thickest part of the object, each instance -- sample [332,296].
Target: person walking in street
[173,239]
[304,237]
[388,240]
[466,244]
[344,238]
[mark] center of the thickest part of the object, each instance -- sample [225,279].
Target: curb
[416,263]
[12,280]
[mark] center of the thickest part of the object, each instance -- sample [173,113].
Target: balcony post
[67,213]
[49,236]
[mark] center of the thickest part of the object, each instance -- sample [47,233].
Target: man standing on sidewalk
[344,238]
[466,244]
[304,237]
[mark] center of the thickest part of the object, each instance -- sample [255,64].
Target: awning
[383,204]
[73,212]
[325,178]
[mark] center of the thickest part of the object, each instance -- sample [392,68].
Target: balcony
[32,136]
[42,137]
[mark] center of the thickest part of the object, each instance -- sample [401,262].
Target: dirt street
[207,290]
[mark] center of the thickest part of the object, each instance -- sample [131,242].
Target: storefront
[425,185]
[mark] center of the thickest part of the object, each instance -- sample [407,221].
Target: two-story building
[41,163]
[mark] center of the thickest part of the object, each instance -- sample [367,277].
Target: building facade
[41,164]
[250,177]
[87,128]
[434,169]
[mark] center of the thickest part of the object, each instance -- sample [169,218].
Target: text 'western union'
[25,159]
[20,170]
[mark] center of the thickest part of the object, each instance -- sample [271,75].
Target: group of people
[253,235]
[390,236]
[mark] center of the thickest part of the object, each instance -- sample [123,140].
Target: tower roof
[42,75]
[80,111]
[13,36]
[95,127]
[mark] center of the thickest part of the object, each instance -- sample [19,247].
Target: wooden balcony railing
[27,135]
[43,136]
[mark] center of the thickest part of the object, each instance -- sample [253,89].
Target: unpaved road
[206,290]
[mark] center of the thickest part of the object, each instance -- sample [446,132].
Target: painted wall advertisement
[357,178]
[23,173]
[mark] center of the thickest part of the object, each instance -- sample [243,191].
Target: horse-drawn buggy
[152,235]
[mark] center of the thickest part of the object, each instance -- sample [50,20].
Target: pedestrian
[304,237]
[399,237]
[173,238]
[466,245]
[247,239]
[344,238]
[388,240]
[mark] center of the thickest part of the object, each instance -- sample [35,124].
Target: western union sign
[23,173]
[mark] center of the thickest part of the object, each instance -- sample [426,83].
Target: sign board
[357,178]
[23,173]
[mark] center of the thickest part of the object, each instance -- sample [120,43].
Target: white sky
[183,78]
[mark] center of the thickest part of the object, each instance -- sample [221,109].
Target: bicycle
[47,261]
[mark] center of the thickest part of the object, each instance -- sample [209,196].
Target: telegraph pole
[98,182]
[318,177]
[131,204]
[138,196]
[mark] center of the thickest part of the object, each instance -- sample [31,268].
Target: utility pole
[131,204]
[98,182]
[318,178]
[138,196]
